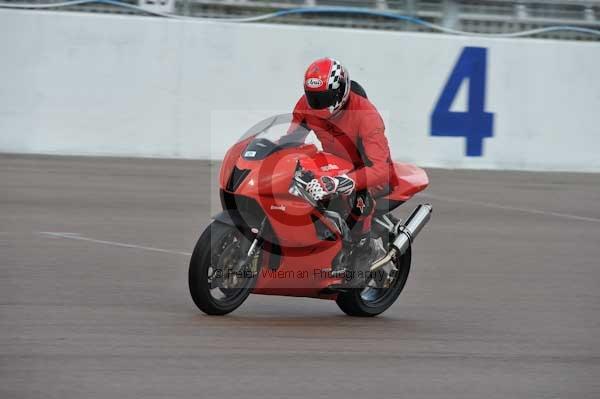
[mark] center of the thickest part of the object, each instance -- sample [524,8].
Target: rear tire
[353,303]
[204,258]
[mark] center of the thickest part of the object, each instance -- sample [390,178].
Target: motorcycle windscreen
[274,135]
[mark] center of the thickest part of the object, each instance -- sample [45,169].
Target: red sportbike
[272,238]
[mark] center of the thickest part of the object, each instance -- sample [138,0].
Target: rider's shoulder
[358,102]
[301,104]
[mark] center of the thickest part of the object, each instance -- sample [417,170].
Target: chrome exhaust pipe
[407,233]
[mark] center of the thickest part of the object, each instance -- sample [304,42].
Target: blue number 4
[475,124]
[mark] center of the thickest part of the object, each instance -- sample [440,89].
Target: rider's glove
[341,184]
[312,185]
[328,186]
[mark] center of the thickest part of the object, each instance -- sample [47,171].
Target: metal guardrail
[493,16]
[584,11]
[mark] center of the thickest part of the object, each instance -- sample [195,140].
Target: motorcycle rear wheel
[354,302]
[213,257]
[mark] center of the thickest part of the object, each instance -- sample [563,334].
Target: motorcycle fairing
[304,251]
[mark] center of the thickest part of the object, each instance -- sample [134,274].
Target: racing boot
[356,272]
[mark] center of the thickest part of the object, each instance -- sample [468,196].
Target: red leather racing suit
[356,133]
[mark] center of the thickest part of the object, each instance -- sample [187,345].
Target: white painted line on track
[511,208]
[75,236]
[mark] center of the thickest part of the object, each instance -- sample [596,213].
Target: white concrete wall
[134,86]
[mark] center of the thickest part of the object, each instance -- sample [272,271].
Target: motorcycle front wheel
[219,278]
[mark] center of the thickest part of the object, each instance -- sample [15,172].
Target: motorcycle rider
[348,125]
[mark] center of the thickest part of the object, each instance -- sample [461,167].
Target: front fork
[252,253]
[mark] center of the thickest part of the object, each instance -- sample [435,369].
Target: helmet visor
[320,99]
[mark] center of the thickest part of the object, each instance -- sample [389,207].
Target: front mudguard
[242,220]
[245,222]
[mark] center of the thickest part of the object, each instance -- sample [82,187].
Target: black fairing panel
[358,89]
[236,178]
[384,205]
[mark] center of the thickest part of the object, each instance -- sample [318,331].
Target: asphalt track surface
[503,300]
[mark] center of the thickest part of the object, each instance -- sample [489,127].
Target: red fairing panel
[411,180]
[304,255]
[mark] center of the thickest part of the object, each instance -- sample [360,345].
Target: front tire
[214,288]
[361,302]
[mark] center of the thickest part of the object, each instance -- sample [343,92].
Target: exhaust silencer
[407,233]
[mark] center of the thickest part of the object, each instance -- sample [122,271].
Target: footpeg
[390,277]
[339,273]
